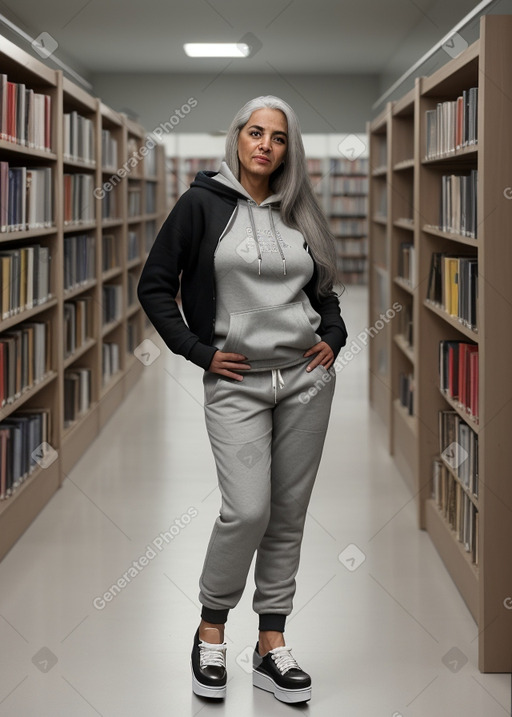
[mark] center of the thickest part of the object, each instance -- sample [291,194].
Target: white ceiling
[299,36]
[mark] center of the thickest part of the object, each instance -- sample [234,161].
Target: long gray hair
[299,206]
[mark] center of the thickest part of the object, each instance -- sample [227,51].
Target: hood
[223,180]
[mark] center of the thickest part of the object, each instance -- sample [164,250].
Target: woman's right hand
[227,363]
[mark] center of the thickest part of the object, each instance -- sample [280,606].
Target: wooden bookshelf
[69,442]
[415,442]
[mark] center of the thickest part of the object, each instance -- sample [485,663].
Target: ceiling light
[217,49]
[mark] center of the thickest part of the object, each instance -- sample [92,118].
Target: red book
[453,370]
[465,350]
[12,90]
[473,368]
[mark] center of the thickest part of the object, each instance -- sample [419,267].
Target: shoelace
[283,659]
[212,654]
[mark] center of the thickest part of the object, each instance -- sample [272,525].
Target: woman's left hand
[324,356]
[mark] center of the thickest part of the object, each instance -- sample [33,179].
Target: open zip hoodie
[247,280]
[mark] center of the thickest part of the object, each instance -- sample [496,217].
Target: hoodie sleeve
[332,328]
[160,281]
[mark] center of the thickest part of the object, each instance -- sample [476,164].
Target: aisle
[390,636]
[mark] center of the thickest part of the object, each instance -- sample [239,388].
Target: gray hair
[299,206]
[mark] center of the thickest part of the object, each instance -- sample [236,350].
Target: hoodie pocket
[274,333]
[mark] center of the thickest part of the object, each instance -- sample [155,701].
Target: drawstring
[277,380]
[275,237]
[255,235]
[274,234]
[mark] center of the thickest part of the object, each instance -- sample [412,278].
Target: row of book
[112,302]
[150,167]
[351,265]
[407,263]
[405,324]
[79,260]
[78,322]
[132,288]
[77,394]
[133,246]
[24,444]
[134,201]
[25,358]
[458,374]
[78,137]
[406,391]
[342,165]
[109,205]
[108,149]
[110,252]
[150,198]
[357,206]
[133,339]
[79,201]
[24,278]
[353,247]
[453,285]
[458,211]
[452,125]
[342,227]
[110,361]
[26,198]
[349,185]
[25,115]
[458,446]
[457,507]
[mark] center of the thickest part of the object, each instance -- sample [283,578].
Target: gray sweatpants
[267,434]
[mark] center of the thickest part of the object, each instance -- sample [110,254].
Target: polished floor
[377,620]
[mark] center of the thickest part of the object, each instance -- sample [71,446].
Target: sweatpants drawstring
[277,380]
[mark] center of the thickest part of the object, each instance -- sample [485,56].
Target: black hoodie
[186,244]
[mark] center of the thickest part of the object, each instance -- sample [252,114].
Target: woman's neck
[258,188]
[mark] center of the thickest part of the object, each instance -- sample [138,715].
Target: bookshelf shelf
[379,219]
[404,284]
[405,355]
[404,346]
[131,310]
[452,320]
[404,223]
[461,410]
[90,142]
[134,263]
[88,344]
[9,149]
[11,321]
[26,395]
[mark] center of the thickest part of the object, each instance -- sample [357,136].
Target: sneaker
[278,672]
[209,674]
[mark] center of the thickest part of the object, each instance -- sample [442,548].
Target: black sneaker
[209,674]
[278,672]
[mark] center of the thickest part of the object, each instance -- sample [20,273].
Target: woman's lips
[262,160]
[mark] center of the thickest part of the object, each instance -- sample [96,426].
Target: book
[452,125]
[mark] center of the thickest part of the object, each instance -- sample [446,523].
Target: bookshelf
[470,523]
[76,244]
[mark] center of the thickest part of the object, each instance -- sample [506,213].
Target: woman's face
[262,143]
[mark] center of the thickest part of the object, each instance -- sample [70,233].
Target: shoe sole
[264,682]
[216,693]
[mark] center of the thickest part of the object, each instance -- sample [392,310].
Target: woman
[257,262]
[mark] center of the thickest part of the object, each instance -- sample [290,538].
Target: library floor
[382,629]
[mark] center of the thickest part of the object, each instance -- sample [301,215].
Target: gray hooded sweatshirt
[261,267]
